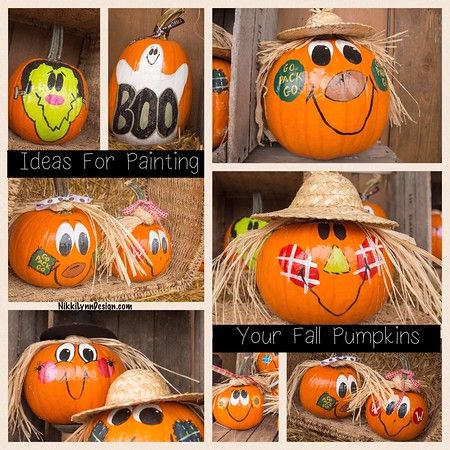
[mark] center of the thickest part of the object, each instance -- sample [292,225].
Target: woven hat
[324,22]
[328,196]
[222,41]
[135,387]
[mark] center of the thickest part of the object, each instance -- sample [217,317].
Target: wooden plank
[267,431]
[422,76]
[219,432]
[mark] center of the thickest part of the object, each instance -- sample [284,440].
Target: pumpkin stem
[137,190]
[170,19]
[257,207]
[61,187]
[404,362]
[56,46]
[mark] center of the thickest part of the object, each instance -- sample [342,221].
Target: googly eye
[148,414]
[118,416]
[390,405]
[244,398]
[87,352]
[153,240]
[352,384]
[404,407]
[349,50]
[341,386]
[64,239]
[163,240]
[235,396]
[82,238]
[65,352]
[320,52]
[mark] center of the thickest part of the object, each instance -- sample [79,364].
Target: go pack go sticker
[289,80]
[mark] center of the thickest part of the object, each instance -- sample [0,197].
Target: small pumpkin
[239,407]
[374,208]
[150,90]
[322,272]
[267,362]
[221,77]
[436,233]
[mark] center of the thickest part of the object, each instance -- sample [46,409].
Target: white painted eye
[65,352]
[404,407]
[341,386]
[64,239]
[82,238]
[390,404]
[320,52]
[244,397]
[349,50]
[148,414]
[235,397]
[369,209]
[163,239]
[87,352]
[352,384]
[153,240]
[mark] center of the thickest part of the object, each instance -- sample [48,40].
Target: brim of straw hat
[357,30]
[341,213]
[86,416]
[222,53]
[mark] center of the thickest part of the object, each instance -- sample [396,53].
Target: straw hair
[222,42]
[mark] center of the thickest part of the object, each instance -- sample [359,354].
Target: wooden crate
[30,32]
[414,142]
[173,339]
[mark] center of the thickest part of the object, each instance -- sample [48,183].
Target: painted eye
[324,230]
[234,399]
[153,240]
[51,81]
[59,81]
[404,407]
[339,231]
[244,398]
[390,405]
[148,414]
[341,386]
[349,50]
[118,416]
[163,240]
[87,352]
[352,385]
[82,239]
[320,52]
[65,352]
[369,209]
[64,239]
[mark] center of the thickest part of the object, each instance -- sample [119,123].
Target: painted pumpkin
[155,422]
[327,99]
[150,92]
[325,391]
[48,101]
[51,250]
[402,418]
[436,234]
[239,407]
[221,76]
[322,273]
[267,362]
[156,242]
[66,378]
[374,208]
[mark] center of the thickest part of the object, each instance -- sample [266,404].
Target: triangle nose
[337,263]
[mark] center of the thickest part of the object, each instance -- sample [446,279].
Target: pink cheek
[105,369]
[47,372]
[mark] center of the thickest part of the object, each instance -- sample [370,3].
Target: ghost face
[152,58]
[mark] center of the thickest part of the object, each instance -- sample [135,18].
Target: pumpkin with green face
[47,101]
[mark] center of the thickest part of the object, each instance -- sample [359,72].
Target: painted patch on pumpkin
[289,80]
[379,75]
[418,415]
[219,81]
[326,401]
[266,359]
[186,431]
[99,432]
[42,262]
[369,259]
[337,262]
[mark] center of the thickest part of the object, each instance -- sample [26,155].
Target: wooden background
[420,70]
[125,25]
[173,339]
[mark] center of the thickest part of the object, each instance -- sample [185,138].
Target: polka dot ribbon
[227,373]
[334,359]
[147,206]
[48,202]
[405,375]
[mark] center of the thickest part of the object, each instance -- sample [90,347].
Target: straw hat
[328,196]
[135,387]
[222,41]
[324,22]
[222,53]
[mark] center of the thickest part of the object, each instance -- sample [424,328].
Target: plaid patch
[98,433]
[326,401]
[186,431]
[42,262]
[370,256]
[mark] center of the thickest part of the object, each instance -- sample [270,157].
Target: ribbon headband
[406,375]
[227,373]
[48,202]
[147,206]
[333,359]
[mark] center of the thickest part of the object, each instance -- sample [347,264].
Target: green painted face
[53,98]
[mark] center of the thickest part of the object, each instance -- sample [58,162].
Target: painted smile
[151,63]
[395,434]
[55,276]
[239,420]
[82,386]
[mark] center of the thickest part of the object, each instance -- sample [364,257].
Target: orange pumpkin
[267,362]
[66,378]
[221,76]
[51,249]
[327,99]
[155,422]
[436,234]
[150,92]
[374,208]
[48,101]
[322,273]
[402,418]
[239,407]
[325,391]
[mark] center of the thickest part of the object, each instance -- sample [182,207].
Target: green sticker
[380,75]
[220,81]
[289,80]
[326,401]
[42,262]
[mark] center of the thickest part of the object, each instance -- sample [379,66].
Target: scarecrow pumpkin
[436,233]
[405,415]
[68,371]
[142,219]
[324,88]
[140,407]
[325,260]
[48,99]
[267,362]
[371,188]
[150,90]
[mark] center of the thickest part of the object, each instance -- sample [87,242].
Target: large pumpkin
[436,234]
[221,76]
[48,101]
[53,249]
[155,422]
[150,92]
[402,418]
[66,378]
[239,407]
[322,273]
[325,391]
[267,362]
[327,99]
[374,208]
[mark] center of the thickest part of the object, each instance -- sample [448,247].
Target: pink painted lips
[55,100]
